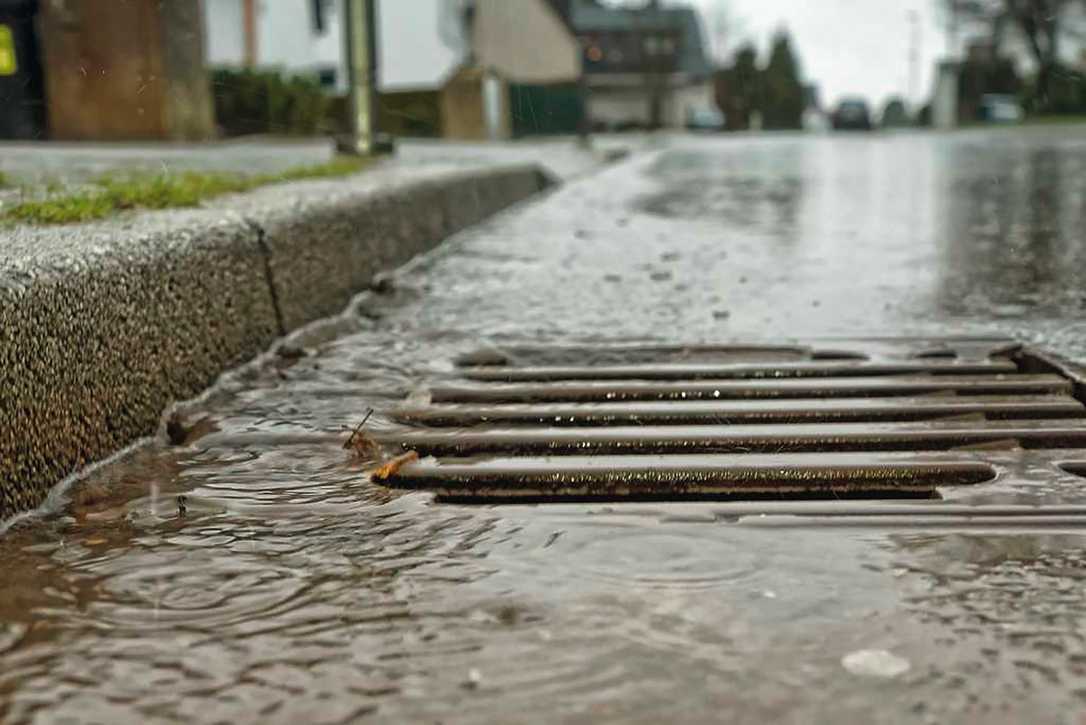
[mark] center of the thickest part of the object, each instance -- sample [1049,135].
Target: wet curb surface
[103,325]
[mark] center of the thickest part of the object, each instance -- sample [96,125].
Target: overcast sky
[847,47]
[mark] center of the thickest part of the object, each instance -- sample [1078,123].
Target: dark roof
[587,16]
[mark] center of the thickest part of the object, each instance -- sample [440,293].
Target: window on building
[659,45]
[326,77]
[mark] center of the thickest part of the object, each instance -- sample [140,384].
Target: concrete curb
[102,326]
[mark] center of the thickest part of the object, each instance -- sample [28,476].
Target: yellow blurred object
[8,66]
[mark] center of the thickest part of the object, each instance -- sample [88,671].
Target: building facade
[445,67]
[643,67]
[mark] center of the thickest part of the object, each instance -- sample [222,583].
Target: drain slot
[1069,434]
[689,477]
[864,419]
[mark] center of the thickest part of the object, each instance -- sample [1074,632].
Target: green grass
[113,193]
[5,180]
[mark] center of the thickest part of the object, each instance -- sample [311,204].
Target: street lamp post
[656,91]
[914,57]
[361,40]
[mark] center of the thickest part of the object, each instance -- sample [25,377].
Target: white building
[421,42]
[306,37]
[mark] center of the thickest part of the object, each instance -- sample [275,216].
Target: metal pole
[952,33]
[656,92]
[914,57]
[248,13]
[362,74]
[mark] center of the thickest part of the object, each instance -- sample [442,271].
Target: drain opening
[1075,468]
[882,419]
[646,477]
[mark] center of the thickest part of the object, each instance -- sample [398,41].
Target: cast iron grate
[892,418]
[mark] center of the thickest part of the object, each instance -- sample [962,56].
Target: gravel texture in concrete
[103,325]
[319,260]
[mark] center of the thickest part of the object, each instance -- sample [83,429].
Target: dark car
[852,114]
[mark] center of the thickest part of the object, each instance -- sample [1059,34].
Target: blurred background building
[470,69]
[644,67]
[487,68]
[447,68]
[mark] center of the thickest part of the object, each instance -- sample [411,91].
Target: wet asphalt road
[293,587]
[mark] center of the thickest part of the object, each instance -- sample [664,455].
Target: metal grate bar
[679,476]
[732,412]
[936,435]
[740,389]
[738,371]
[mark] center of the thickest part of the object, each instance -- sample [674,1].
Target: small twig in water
[357,430]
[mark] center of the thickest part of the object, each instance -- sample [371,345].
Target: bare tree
[987,16]
[1040,23]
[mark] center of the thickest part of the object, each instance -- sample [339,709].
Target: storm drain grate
[864,418]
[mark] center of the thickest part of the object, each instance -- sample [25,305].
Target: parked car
[1000,108]
[705,118]
[852,114]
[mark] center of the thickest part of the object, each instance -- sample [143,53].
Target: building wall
[463,112]
[944,105]
[418,48]
[525,41]
[623,106]
[682,101]
[224,32]
[614,107]
[286,37]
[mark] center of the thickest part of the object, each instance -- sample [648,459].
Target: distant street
[766,236]
[294,588]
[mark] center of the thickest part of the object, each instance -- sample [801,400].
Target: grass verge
[112,193]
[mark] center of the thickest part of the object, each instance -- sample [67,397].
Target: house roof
[586,16]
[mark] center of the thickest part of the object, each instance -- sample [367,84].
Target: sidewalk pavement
[62,164]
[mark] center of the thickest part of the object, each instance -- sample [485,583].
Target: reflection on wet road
[292,588]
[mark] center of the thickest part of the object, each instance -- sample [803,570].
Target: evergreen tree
[737,89]
[783,98]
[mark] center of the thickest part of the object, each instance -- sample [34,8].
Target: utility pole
[720,35]
[952,31]
[656,91]
[248,24]
[914,56]
[361,37]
